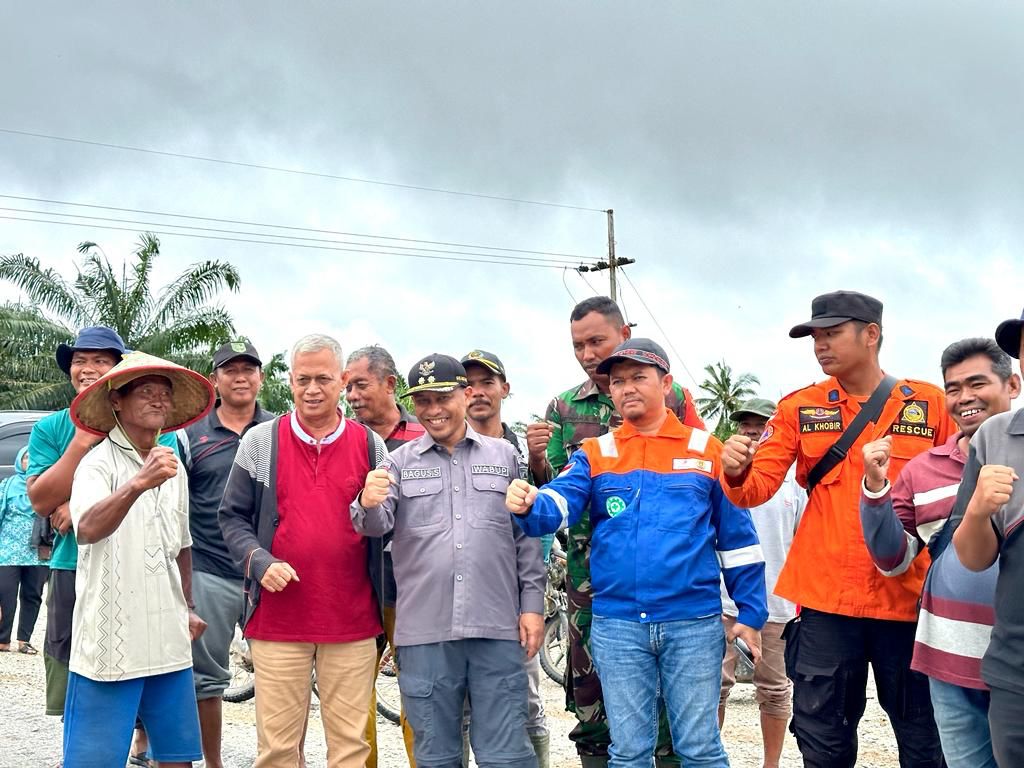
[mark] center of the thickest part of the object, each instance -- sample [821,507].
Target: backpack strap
[871,410]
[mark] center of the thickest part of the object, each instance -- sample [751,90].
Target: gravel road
[29,739]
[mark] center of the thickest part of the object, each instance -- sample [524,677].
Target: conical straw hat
[192,393]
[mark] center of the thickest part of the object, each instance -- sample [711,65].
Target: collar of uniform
[508,434]
[404,417]
[1016,425]
[123,444]
[903,389]
[671,427]
[426,442]
[586,390]
[308,439]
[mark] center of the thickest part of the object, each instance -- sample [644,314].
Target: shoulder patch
[833,396]
[766,435]
[907,391]
[698,440]
[606,443]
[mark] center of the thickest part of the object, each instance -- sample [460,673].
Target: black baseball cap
[636,351]
[1008,336]
[488,360]
[233,350]
[839,307]
[436,373]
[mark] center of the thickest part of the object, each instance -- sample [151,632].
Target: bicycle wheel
[555,647]
[389,698]
[243,680]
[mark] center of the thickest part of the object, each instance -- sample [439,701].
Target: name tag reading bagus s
[814,418]
[421,474]
[489,469]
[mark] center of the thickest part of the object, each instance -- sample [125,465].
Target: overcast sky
[755,155]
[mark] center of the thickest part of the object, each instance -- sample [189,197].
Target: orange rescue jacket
[828,567]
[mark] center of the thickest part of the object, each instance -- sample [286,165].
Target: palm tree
[178,324]
[725,395]
[276,395]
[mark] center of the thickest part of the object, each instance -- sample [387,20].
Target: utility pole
[613,262]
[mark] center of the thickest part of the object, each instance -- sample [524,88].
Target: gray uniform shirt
[463,568]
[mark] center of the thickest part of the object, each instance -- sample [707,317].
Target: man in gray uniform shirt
[470,583]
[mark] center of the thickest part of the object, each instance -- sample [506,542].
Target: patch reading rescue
[814,418]
[913,421]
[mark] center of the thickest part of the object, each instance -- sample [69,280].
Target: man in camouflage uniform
[586,411]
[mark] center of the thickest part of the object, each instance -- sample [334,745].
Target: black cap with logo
[488,360]
[436,373]
[636,351]
[838,307]
[236,349]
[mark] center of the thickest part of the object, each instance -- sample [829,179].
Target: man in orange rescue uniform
[852,614]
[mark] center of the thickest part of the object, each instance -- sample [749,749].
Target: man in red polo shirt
[312,601]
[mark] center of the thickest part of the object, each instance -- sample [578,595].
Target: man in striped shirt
[956,603]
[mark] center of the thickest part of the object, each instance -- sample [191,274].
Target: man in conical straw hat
[133,623]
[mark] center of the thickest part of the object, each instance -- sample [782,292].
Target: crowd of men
[816,539]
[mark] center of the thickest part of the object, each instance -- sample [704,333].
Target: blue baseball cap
[94,337]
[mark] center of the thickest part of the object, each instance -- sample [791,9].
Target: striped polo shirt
[956,615]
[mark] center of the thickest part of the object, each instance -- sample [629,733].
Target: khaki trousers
[344,675]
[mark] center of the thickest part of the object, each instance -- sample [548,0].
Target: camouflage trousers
[582,687]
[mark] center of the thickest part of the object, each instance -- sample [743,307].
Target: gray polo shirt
[463,568]
[1000,440]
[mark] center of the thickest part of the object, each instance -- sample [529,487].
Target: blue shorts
[99,718]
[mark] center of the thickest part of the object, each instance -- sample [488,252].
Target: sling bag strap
[838,450]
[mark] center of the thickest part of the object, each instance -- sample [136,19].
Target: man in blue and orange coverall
[852,614]
[664,534]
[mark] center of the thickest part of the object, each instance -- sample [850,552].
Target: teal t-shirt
[51,435]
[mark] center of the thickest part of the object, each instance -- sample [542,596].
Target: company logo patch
[767,434]
[489,469]
[814,418]
[614,506]
[913,421]
[421,474]
[701,465]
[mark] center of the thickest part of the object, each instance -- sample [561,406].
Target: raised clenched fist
[375,490]
[876,463]
[160,466]
[520,497]
[995,486]
[737,454]
[538,435]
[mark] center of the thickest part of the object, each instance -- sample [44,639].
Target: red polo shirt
[333,601]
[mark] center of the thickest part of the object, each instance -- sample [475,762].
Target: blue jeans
[961,715]
[681,661]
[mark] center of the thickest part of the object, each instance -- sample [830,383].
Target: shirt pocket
[422,506]
[489,503]
[684,502]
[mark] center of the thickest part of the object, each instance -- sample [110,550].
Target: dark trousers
[827,659]
[28,580]
[1006,721]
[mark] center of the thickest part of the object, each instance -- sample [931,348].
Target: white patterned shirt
[130,619]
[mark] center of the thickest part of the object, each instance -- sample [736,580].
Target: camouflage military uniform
[577,414]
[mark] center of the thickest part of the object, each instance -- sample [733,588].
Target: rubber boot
[593,761]
[541,748]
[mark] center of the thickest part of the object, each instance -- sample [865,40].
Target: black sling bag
[871,410]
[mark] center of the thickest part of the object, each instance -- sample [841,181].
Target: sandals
[27,648]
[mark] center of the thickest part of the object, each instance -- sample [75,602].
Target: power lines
[294,171]
[448,255]
[668,339]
